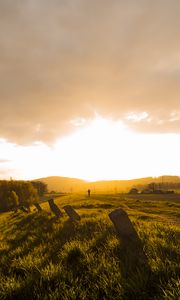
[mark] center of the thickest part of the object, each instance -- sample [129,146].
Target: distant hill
[66,184]
[63,184]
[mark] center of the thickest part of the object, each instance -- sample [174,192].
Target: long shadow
[36,224]
[66,233]
[135,269]
[138,280]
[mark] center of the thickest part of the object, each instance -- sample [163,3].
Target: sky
[89,89]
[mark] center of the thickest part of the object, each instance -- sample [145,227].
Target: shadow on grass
[34,225]
[138,280]
[30,231]
[70,261]
[89,206]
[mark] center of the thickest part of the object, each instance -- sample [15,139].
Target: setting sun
[100,150]
[109,150]
[89,149]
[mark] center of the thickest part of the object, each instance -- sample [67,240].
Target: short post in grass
[28,209]
[23,209]
[73,215]
[54,208]
[122,224]
[131,249]
[38,206]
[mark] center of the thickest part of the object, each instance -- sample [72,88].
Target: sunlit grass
[42,257]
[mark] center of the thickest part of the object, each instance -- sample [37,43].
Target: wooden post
[71,213]
[37,205]
[54,208]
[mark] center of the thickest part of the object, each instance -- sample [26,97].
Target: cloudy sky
[76,68]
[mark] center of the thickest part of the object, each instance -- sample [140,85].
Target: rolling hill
[65,184]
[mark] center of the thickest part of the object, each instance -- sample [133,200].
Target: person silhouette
[89,192]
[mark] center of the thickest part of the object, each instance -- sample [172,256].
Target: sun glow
[109,150]
[103,149]
[91,153]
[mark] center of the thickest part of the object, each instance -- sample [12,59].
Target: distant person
[89,193]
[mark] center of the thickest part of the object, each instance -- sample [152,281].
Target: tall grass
[42,257]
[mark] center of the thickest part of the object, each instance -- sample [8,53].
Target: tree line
[15,194]
[164,186]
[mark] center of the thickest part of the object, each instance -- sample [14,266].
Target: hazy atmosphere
[89,149]
[89,89]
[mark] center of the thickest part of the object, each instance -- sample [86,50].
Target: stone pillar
[54,208]
[73,215]
[37,205]
[24,209]
[130,242]
[29,209]
[122,224]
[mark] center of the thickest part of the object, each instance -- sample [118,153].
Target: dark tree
[40,186]
[16,193]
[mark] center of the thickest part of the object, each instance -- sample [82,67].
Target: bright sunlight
[103,149]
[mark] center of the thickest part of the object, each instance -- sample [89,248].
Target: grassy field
[42,257]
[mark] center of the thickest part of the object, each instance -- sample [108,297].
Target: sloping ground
[42,257]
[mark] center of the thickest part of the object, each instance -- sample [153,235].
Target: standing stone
[123,224]
[133,249]
[29,209]
[71,213]
[54,208]
[24,209]
[37,205]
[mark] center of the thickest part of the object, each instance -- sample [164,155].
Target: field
[42,257]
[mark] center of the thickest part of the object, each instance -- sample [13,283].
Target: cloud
[67,60]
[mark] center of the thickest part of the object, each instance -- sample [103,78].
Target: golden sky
[69,67]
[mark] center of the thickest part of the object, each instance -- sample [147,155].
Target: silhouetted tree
[13,192]
[13,201]
[40,186]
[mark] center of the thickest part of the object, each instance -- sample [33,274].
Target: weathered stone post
[123,224]
[37,205]
[28,209]
[54,208]
[24,209]
[130,242]
[71,213]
